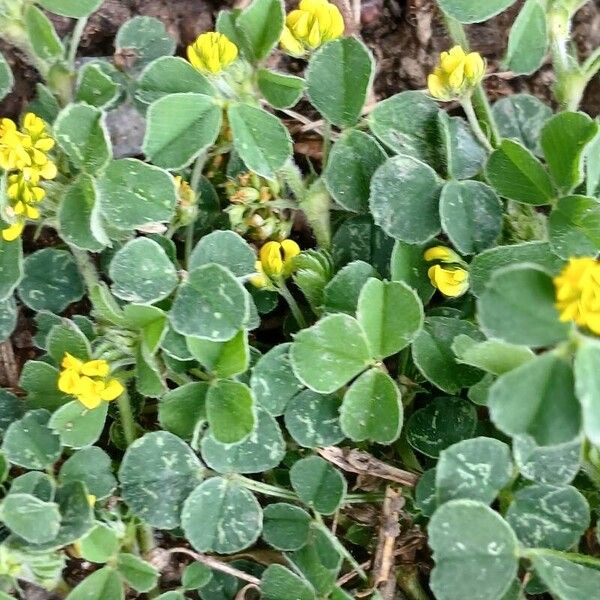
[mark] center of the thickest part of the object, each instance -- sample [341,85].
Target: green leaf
[50,281]
[142,272]
[11,409]
[170,75]
[440,424]
[81,132]
[372,409]
[475,469]
[273,381]
[79,219]
[484,265]
[77,517]
[338,78]
[407,124]
[39,380]
[30,443]
[221,516]
[77,426]
[42,35]
[8,318]
[44,105]
[391,315]
[6,78]
[312,419]
[286,527]
[97,85]
[11,267]
[564,138]
[145,37]
[67,337]
[327,355]
[104,584]
[93,467]
[133,194]
[30,518]
[404,199]
[464,155]
[280,91]
[587,386]
[195,575]
[471,215]
[139,574]
[554,465]
[358,238]
[466,11]
[565,579]
[157,474]
[279,583]
[342,292]
[592,167]
[537,399]
[225,248]
[100,544]
[352,162]
[528,39]
[230,411]
[408,265]
[223,359]
[71,8]
[180,410]
[515,173]
[432,353]
[544,516]
[262,450]
[493,356]
[318,484]
[521,117]
[180,126]
[262,23]
[261,140]
[504,314]
[475,552]
[574,227]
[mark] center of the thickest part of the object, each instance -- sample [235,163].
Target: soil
[405,36]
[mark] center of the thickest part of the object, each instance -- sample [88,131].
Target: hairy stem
[283,289]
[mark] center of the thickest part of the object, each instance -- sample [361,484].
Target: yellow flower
[578,293]
[456,74]
[91,500]
[312,24]
[451,281]
[212,52]
[276,261]
[23,153]
[88,381]
[441,253]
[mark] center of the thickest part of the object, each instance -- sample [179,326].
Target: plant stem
[480,101]
[86,267]
[145,536]
[342,550]
[75,39]
[467,105]
[283,289]
[266,489]
[194,182]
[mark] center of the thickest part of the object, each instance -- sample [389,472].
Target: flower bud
[456,74]
[212,52]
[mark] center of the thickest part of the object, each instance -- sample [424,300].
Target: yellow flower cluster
[449,278]
[212,52]
[88,381]
[276,261]
[578,293]
[24,154]
[312,24]
[456,74]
